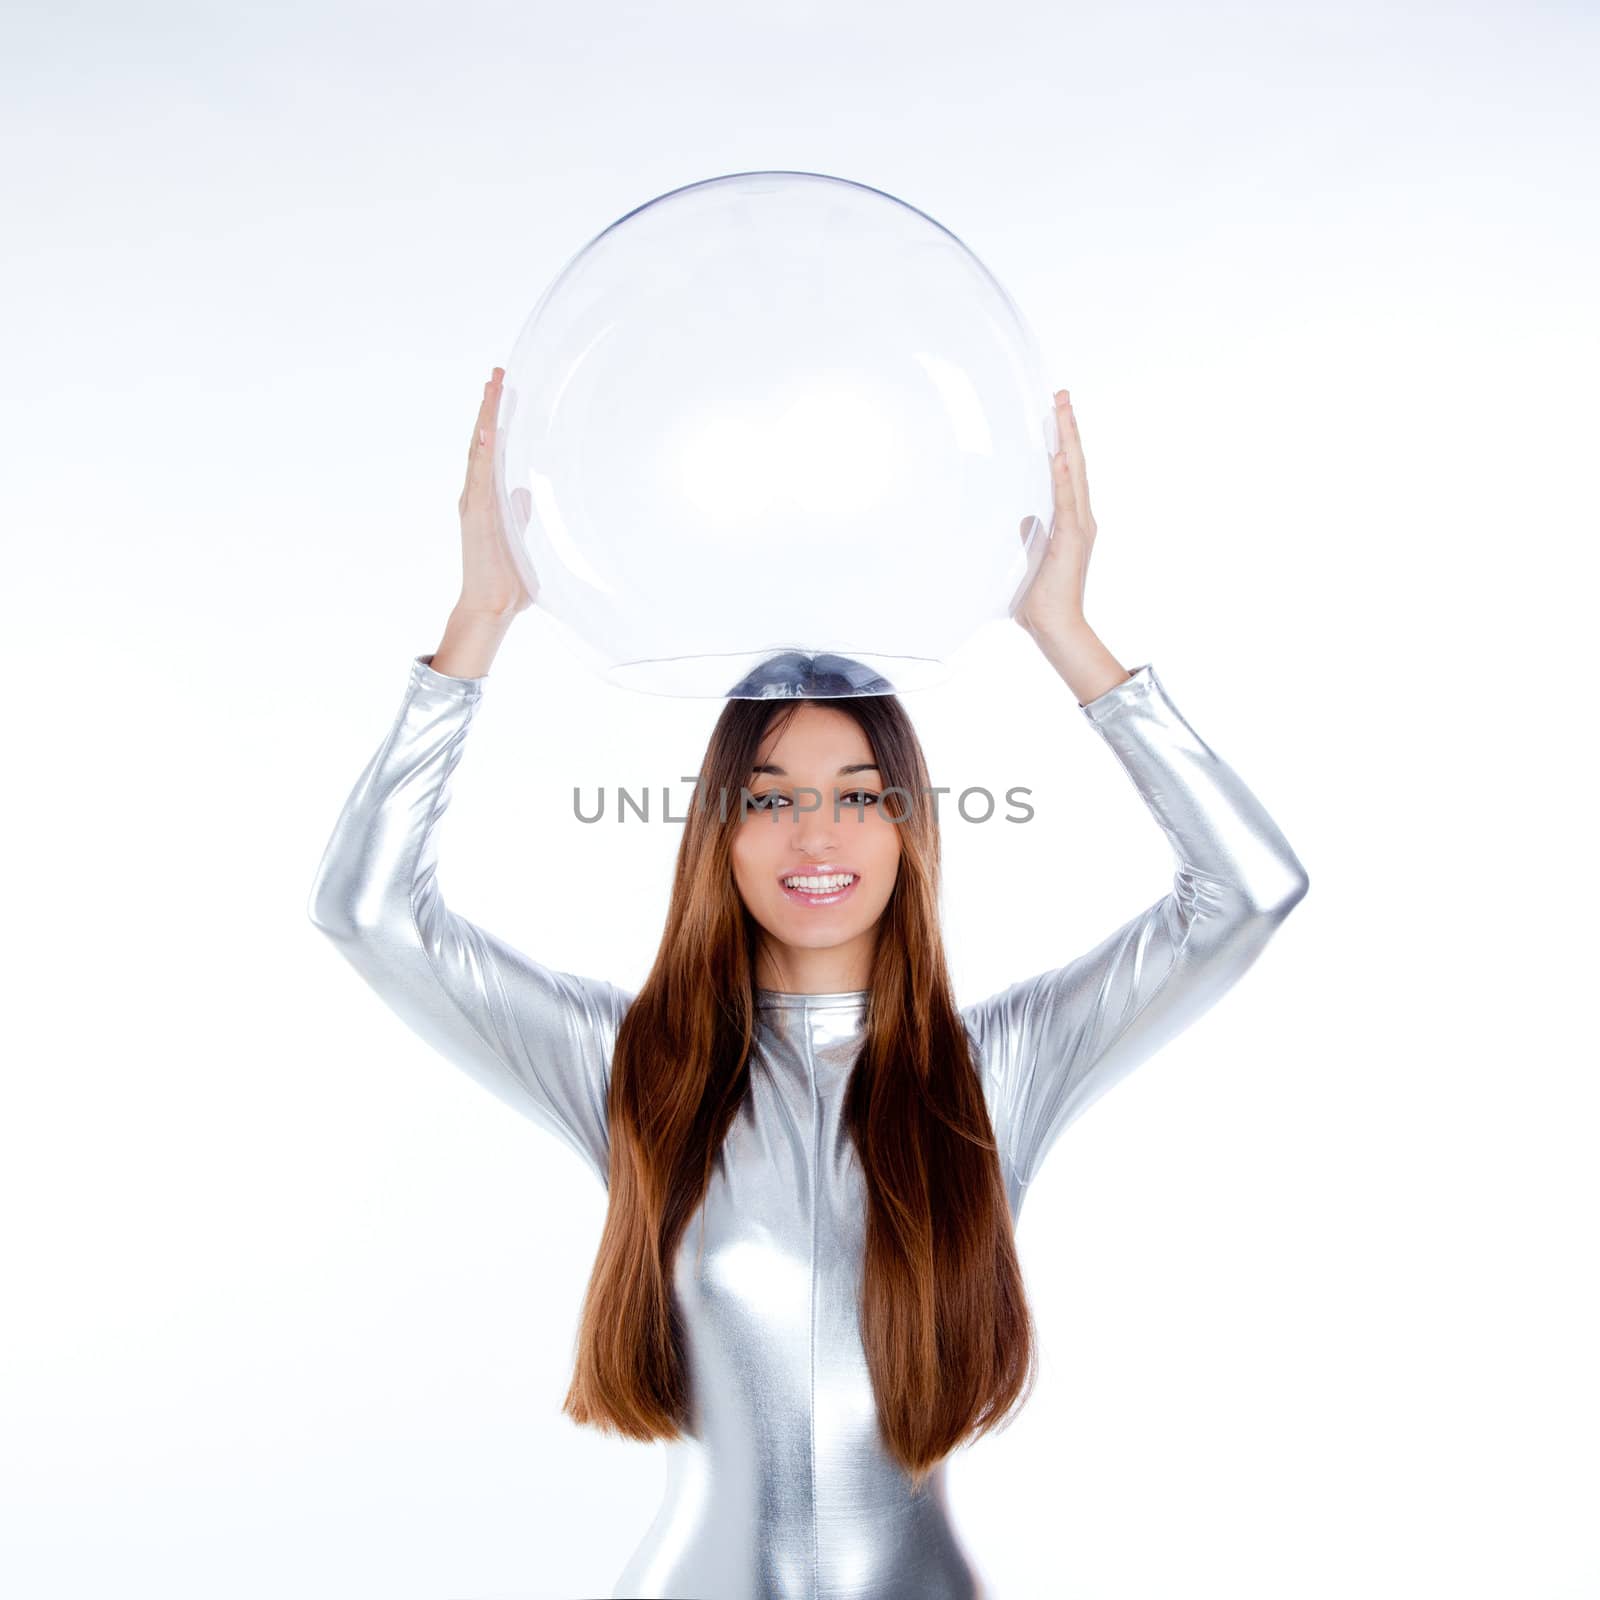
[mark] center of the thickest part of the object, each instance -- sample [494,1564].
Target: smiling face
[820,941]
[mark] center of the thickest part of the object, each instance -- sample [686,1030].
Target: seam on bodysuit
[816,1158]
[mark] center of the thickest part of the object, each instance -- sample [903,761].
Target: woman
[807,1280]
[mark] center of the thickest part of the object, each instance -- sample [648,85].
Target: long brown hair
[945,1324]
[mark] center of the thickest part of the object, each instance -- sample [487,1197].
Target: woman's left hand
[1054,600]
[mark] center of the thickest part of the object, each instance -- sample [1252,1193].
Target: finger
[479,425]
[483,427]
[1072,474]
[1066,499]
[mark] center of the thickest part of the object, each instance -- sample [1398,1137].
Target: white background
[289,1301]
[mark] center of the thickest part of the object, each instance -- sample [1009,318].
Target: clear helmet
[773,434]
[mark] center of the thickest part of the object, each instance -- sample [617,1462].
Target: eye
[859,795]
[761,802]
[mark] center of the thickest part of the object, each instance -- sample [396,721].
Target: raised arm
[1053,1044]
[539,1039]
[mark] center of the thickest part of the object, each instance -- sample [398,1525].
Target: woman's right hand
[492,579]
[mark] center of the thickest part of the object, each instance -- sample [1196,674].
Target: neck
[839,969]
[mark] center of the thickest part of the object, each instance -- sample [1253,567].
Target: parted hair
[945,1324]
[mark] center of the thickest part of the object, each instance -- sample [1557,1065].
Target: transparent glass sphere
[775,433]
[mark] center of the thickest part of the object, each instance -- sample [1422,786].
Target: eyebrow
[855,766]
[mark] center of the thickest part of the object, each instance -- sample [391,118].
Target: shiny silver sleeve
[1052,1044]
[539,1039]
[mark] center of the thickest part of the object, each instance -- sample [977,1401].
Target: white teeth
[835,881]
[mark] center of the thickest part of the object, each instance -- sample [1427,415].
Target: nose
[815,831]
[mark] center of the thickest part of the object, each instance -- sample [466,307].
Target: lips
[827,897]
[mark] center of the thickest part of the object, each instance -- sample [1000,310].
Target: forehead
[814,736]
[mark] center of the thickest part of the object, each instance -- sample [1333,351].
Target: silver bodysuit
[783,1488]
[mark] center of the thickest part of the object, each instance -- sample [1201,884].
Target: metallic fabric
[784,1488]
